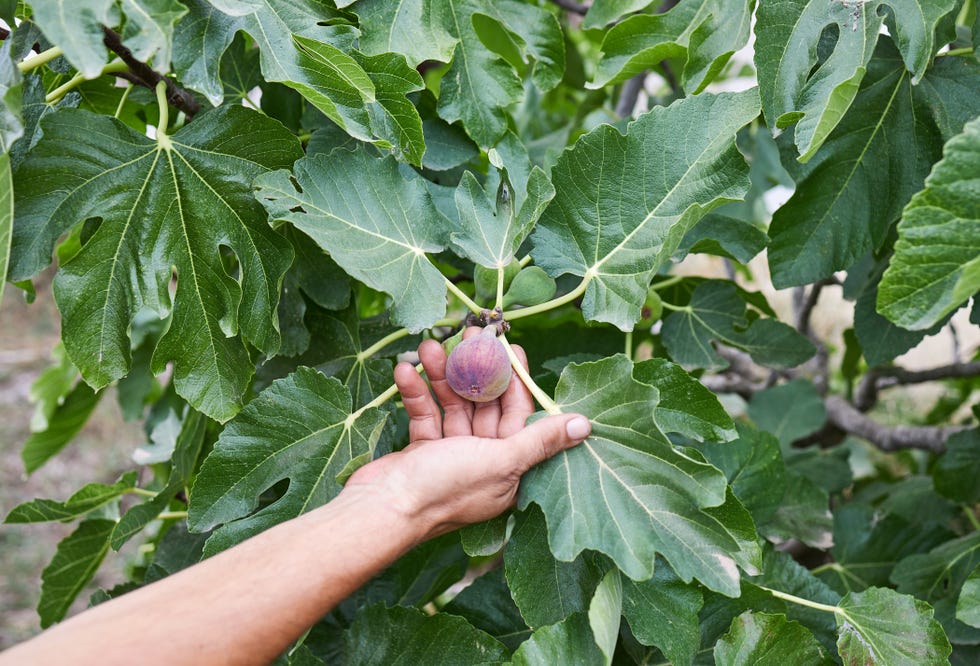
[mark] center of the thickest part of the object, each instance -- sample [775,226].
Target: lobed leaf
[761,639]
[624,203]
[663,612]
[569,641]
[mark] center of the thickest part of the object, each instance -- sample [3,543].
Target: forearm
[242,606]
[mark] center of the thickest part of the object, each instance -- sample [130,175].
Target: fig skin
[478,368]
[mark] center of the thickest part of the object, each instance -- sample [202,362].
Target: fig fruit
[478,368]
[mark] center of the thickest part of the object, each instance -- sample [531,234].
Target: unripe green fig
[530,287]
[478,368]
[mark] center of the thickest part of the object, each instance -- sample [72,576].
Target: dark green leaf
[663,612]
[301,428]
[567,642]
[485,538]
[803,515]
[702,34]
[968,605]
[627,492]
[624,203]
[545,590]
[390,225]
[487,604]
[760,639]
[717,313]
[406,637]
[936,265]
[754,468]
[685,406]
[75,562]
[90,497]
[957,471]
[797,87]
[881,626]
[89,166]
[446,146]
[177,550]
[67,419]
[723,236]
[418,29]
[789,411]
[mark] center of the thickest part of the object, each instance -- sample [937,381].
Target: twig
[807,304]
[146,76]
[877,379]
[887,438]
[629,95]
[572,6]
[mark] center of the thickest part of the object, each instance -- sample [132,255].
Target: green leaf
[761,639]
[799,86]
[446,146]
[940,572]
[754,468]
[545,590]
[394,119]
[603,13]
[6,217]
[957,470]
[485,538]
[76,26]
[34,108]
[177,550]
[624,203]
[685,406]
[11,101]
[789,411]
[487,604]
[936,265]
[881,626]
[75,562]
[803,514]
[380,237]
[627,492]
[487,236]
[701,34]
[149,29]
[301,428]
[717,313]
[663,612]
[850,194]
[417,29]
[605,611]
[161,204]
[401,635]
[89,498]
[567,642]
[538,36]
[69,417]
[723,236]
[968,605]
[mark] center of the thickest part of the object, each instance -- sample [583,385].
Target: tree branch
[144,75]
[629,95]
[877,379]
[887,438]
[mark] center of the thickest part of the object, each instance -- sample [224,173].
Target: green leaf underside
[624,203]
[568,642]
[403,636]
[848,197]
[78,556]
[717,313]
[90,497]
[159,209]
[66,421]
[761,639]
[376,223]
[881,626]
[701,32]
[795,89]
[627,492]
[297,429]
[936,265]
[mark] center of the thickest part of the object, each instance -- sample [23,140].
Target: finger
[457,411]
[424,419]
[516,403]
[546,437]
[486,418]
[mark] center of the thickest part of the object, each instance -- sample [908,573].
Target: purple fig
[478,368]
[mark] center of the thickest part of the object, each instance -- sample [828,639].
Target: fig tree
[478,368]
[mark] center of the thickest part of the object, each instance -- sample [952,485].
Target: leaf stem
[161,90]
[669,282]
[553,303]
[396,335]
[41,58]
[122,101]
[142,492]
[467,301]
[500,288]
[802,602]
[78,79]
[524,261]
[629,345]
[966,50]
[543,398]
[381,399]
[172,515]
[676,308]
[972,517]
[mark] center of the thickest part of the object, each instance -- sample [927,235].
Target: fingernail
[578,428]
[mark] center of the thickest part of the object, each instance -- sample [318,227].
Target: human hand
[464,463]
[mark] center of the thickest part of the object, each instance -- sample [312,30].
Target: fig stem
[677,308]
[467,301]
[543,398]
[365,354]
[669,282]
[553,303]
[41,58]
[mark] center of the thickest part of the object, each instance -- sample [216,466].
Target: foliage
[255,206]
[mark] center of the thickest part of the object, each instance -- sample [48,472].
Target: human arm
[247,604]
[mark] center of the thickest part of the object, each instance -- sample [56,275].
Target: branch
[144,75]
[887,438]
[572,6]
[629,95]
[877,379]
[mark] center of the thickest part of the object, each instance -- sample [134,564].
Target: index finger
[516,403]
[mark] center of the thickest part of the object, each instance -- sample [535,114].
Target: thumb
[546,437]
